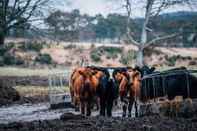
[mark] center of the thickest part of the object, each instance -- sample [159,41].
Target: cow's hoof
[77,109]
[129,115]
[136,115]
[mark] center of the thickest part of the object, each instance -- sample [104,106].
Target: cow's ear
[152,69]
[137,68]
[94,72]
[80,72]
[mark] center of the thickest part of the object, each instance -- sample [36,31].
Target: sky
[105,7]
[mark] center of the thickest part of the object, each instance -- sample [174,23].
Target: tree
[152,9]
[64,25]
[12,10]
[111,27]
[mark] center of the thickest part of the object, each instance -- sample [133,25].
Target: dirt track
[72,122]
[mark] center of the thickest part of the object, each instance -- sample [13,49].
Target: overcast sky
[105,7]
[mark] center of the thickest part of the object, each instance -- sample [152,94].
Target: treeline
[74,27]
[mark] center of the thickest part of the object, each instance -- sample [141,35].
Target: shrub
[192,63]
[111,52]
[126,59]
[92,46]
[19,61]
[31,46]
[1,61]
[95,56]
[2,51]
[70,46]
[149,51]
[44,59]
[172,60]
[8,59]
[9,45]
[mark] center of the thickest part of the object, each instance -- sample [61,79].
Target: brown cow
[84,83]
[128,80]
[76,82]
[134,90]
[87,84]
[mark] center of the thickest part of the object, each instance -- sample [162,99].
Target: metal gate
[160,77]
[59,95]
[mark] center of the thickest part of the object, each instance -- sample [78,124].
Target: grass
[15,71]
[30,91]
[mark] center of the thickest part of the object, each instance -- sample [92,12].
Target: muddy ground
[38,117]
[70,122]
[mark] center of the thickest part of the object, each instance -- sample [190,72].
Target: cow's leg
[88,108]
[109,108]
[97,103]
[102,107]
[82,107]
[124,108]
[130,106]
[136,109]
[76,103]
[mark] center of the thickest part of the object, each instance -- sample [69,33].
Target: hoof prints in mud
[80,123]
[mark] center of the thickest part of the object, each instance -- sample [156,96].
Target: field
[16,71]
[32,111]
[79,65]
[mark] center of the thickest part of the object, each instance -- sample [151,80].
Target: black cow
[107,91]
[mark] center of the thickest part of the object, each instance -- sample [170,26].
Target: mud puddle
[41,111]
[29,112]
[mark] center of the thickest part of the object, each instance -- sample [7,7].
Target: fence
[160,77]
[59,95]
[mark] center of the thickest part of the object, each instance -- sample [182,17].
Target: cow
[88,83]
[106,90]
[75,84]
[127,79]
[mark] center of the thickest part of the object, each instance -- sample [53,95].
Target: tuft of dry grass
[32,91]
[16,71]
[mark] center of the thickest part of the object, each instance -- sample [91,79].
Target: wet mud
[73,122]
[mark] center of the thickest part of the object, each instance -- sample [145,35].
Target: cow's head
[87,74]
[136,77]
[145,70]
[121,78]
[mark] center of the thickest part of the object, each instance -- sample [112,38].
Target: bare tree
[152,9]
[17,12]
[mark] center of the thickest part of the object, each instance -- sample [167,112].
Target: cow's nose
[87,81]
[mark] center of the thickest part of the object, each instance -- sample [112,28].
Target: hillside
[36,54]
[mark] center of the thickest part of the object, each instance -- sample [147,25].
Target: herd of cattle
[102,86]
